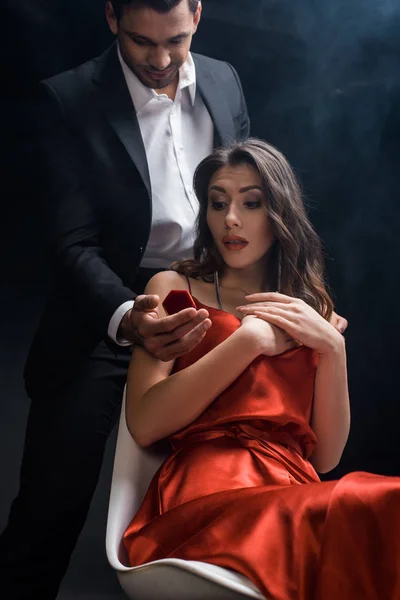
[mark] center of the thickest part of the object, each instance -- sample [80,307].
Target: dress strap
[188,282]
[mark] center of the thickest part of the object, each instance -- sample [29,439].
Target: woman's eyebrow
[250,187]
[217,188]
[242,190]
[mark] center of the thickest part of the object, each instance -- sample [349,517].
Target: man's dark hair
[161,6]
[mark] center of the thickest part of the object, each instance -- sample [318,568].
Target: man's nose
[159,59]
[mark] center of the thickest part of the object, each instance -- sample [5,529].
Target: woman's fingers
[270,316]
[278,320]
[268,304]
[283,310]
[270,297]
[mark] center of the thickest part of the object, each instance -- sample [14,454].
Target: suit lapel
[209,89]
[117,104]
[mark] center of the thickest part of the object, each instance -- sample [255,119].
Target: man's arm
[70,210]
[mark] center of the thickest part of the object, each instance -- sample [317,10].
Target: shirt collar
[141,94]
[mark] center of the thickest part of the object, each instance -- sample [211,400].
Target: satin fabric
[239,491]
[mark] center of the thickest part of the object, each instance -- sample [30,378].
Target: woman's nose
[232,219]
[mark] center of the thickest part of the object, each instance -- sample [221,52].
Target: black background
[322,81]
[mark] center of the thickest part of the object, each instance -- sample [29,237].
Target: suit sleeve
[243,119]
[71,212]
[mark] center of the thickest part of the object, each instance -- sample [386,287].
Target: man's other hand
[339,323]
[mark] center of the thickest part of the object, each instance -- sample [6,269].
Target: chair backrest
[134,468]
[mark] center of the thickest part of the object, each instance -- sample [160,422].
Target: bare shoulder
[165,281]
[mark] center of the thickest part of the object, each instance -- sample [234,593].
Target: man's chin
[158,83]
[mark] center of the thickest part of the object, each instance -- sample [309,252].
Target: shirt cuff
[115,322]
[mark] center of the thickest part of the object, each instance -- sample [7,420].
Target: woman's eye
[217,205]
[253,204]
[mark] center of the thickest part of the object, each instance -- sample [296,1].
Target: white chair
[167,579]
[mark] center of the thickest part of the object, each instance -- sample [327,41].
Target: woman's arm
[158,404]
[331,411]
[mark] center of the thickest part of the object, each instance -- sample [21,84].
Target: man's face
[154,45]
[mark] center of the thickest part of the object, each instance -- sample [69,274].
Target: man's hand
[339,323]
[166,338]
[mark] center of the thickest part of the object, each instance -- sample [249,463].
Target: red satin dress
[238,491]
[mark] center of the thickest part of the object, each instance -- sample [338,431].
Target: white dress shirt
[177,134]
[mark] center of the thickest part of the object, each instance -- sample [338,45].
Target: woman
[259,406]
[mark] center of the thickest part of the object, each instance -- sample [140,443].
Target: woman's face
[237,216]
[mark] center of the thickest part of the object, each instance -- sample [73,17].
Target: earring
[279,274]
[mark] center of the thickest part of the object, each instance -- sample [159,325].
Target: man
[120,137]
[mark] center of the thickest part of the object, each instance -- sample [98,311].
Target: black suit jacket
[96,194]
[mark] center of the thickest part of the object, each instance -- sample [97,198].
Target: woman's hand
[272,339]
[296,318]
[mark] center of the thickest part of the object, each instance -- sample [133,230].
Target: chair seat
[175,579]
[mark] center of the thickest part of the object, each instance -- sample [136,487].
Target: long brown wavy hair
[295,263]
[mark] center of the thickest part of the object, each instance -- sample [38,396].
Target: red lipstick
[234,242]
